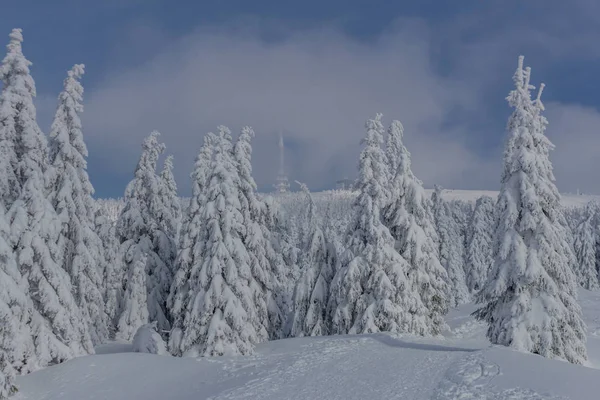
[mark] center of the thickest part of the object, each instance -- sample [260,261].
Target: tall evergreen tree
[285,268]
[257,238]
[192,239]
[371,291]
[17,352]
[311,294]
[17,114]
[8,333]
[169,215]
[410,220]
[530,298]
[451,247]
[586,237]
[60,332]
[135,299]
[56,323]
[166,217]
[220,313]
[113,271]
[80,248]
[137,228]
[480,243]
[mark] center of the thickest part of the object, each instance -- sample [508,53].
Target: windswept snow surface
[461,365]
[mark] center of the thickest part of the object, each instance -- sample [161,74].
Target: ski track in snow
[472,378]
[327,369]
[469,329]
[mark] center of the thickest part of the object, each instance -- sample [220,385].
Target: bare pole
[281,154]
[282,185]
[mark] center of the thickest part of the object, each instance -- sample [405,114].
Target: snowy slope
[460,366]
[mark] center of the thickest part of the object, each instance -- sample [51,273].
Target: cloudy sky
[316,70]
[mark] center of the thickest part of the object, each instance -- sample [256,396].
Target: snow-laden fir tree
[220,314]
[137,228]
[113,272]
[16,342]
[191,241]
[57,326]
[8,334]
[60,332]
[135,308]
[371,292]
[462,212]
[451,248]
[17,114]
[166,213]
[285,268]
[334,229]
[530,298]
[80,248]
[409,218]
[311,293]
[586,238]
[480,243]
[569,243]
[573,215]
[256,237]
[302,219]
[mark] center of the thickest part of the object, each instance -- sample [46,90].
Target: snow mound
[147,340]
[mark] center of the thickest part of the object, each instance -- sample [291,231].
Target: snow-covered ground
[462,365]
[568,199]
[343,199]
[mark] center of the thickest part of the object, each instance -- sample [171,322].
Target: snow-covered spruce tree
[285,269]
[409,218]
[462,212]
[334,230]
[191,241]
[137,227]
[168,215]
[573,215]
[60,332]
[264,263]
[371,292]
[586,237]
[113,272]
[17,352]
[530,298]
[451,247]
[135,302]
[57,326]
[17,114]
[569,243]
[480,243]
[8,334]
[80,248]
[220,314]
[311,294]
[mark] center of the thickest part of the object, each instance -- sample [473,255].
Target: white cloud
[318,87]
[575,132]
